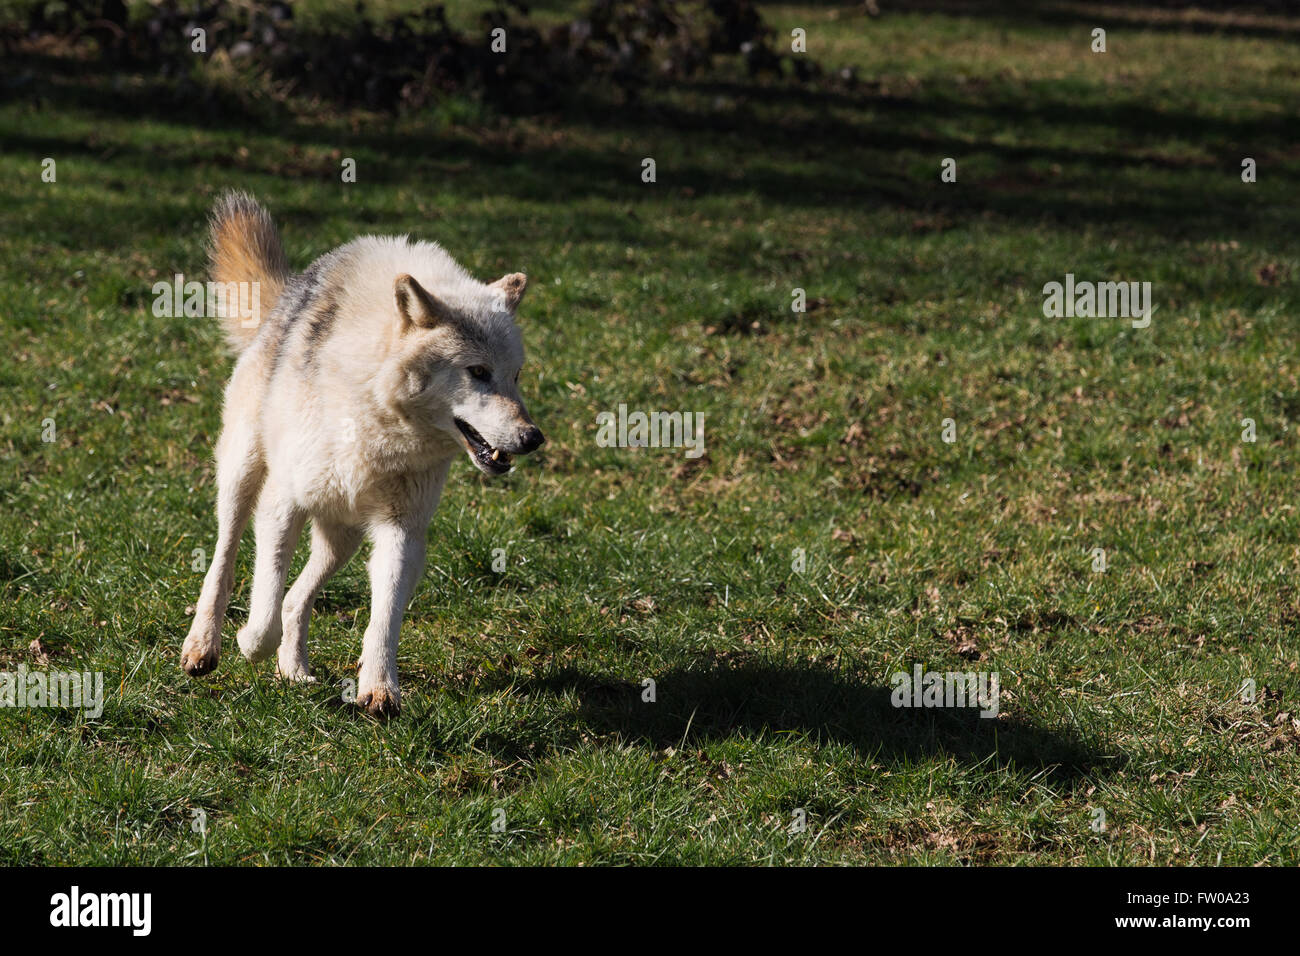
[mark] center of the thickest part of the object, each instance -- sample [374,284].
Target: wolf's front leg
[277,527]
[395,566]
[332,544]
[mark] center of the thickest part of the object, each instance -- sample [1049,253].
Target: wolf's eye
[480,372]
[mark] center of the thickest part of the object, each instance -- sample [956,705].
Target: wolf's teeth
[496,453]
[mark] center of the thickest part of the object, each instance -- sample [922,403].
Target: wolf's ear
[415,306]
[512,287]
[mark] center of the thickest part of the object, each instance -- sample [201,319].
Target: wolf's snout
[531,439]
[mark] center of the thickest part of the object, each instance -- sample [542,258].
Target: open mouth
[491,460]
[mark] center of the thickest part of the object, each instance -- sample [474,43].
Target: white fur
[354,432]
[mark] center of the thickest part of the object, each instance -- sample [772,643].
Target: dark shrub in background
[396,60]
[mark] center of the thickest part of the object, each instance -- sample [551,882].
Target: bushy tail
[245,247]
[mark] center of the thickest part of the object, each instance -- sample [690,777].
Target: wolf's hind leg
[332,545]
[240,471]
[277,525]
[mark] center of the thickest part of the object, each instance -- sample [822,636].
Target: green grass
[523,689]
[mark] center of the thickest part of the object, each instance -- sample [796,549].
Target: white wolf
[347,405]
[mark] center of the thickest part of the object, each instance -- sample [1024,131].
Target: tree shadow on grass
[808,147]
[1162,16]
[697,705]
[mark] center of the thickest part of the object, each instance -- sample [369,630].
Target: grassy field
[1121,689]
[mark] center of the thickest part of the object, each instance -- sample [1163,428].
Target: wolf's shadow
[701,703]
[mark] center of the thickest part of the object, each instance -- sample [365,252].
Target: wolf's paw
[297,672]
[382,702]
[199,657]
[257,645]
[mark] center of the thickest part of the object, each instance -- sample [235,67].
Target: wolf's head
[460,369]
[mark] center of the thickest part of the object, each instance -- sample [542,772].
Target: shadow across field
[697,705]
[1124,164]
[1267,19]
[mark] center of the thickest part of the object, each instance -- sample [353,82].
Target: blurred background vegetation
[390,55]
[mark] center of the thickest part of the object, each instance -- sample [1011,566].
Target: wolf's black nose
[531,439]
